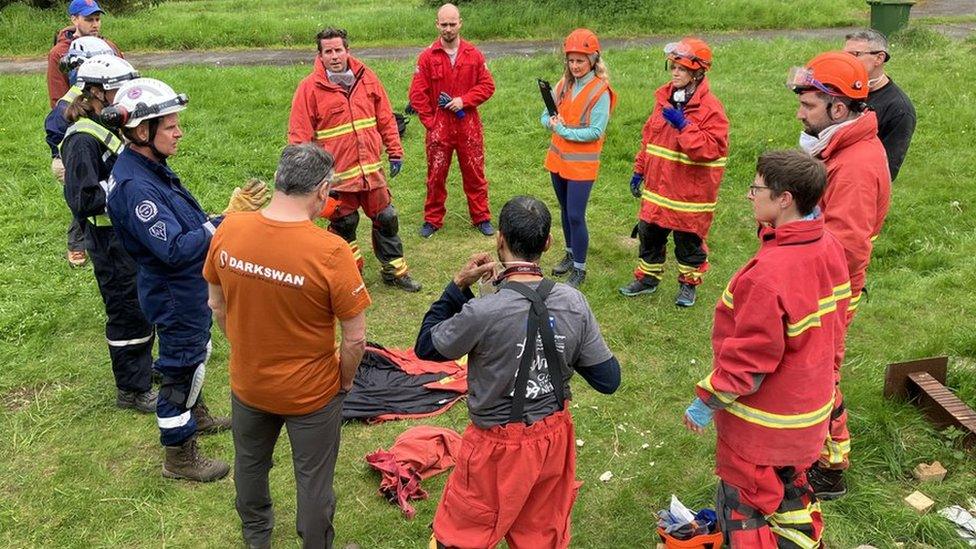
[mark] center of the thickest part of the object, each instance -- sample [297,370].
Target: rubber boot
[185,462]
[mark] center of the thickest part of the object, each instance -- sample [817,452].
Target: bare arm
[218,305]
[351,348]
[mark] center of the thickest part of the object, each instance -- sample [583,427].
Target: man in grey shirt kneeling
[516,475]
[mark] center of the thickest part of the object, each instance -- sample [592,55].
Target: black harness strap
[728,500]
[538,325]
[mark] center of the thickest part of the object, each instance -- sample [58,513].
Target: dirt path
[225,58]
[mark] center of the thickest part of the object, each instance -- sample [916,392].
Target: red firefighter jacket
[682,170]
[57,81]
[858,193]
[468,79]
[353,126]
[779,328]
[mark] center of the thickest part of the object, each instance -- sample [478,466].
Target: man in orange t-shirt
[278,283]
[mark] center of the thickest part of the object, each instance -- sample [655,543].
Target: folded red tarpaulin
[419,453]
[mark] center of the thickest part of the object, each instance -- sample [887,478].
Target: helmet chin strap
[151,141]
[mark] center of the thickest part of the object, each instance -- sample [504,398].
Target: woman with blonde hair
[584,101]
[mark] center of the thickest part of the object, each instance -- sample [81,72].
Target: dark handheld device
[547,96]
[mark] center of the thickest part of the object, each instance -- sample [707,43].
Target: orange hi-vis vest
[574,160]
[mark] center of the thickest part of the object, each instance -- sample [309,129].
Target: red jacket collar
[793,233]
[663,94]
[322,78]
[463,45]
[865,127]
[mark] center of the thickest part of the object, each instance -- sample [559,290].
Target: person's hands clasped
[474,270]
[555,121]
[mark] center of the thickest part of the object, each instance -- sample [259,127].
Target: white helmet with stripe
[108,71]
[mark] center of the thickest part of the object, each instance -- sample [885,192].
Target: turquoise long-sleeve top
[599,116]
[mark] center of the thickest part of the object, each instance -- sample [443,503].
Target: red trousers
[777,500]
[512,481]
[465,136]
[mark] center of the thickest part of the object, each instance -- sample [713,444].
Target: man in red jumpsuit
[778,326]
[343,107]
[450,82]
[837,127]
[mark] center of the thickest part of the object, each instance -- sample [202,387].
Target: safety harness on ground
[113,146]
[538,324]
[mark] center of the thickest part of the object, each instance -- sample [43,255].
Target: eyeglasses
[860,53]
[754,189]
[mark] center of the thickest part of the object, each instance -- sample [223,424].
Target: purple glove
[675,117]
[635,184]
[443,99]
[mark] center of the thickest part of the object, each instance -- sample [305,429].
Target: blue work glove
[395,165]
[443,99]
[699,413]
[675,117]
[635,184]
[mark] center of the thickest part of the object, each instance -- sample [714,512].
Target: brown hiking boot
[206,423]
[185,462]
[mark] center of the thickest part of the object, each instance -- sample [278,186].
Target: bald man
[450,82]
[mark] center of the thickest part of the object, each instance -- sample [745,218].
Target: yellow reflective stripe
[875,237]
[796,537]
[100,220]
[727,296]
[677,205]
[825,305]
[855,301]
[96,130]
[706,384]
[354,248]
[652,269]
[355,171]
[780,421]
[800,516]
[683,158]
[72,94]
[399,266]
[835,451]
[349,127]
[690,272]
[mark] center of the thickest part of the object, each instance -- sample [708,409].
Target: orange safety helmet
[581,41]
[690,53]
[835,73]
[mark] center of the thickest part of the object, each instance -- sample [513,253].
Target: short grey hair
[302,168]
[871,36]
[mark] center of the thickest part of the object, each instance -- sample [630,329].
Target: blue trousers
[573,197]
[178,361]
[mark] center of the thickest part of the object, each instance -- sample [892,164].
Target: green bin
[889,16]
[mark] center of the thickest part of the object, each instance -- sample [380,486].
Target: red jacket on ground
[778,328]
[682,170]
[858,192]
[57,81]
[468,79]
[352,126]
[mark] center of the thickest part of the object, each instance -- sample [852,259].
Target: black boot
[144,402]
[564,265]
[827,484]
[576,278]
[403,282]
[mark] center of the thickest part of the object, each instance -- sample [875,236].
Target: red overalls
[469,79]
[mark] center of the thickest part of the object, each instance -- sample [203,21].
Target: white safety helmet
[143,99]
[84,48]
[108,71]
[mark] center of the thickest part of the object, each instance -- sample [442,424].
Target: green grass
[207,24]
[74,471]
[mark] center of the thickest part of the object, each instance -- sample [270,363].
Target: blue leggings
[573,196]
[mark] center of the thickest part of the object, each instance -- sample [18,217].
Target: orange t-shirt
[285,284]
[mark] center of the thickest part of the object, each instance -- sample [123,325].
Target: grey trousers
[314,441]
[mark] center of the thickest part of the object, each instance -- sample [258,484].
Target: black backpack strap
[538,325]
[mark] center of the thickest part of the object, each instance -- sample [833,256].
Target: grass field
[76,472]
[203,24]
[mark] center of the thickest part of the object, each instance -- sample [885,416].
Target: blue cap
[84,8]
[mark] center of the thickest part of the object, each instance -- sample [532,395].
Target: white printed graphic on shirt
[540,381]
[146,210]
